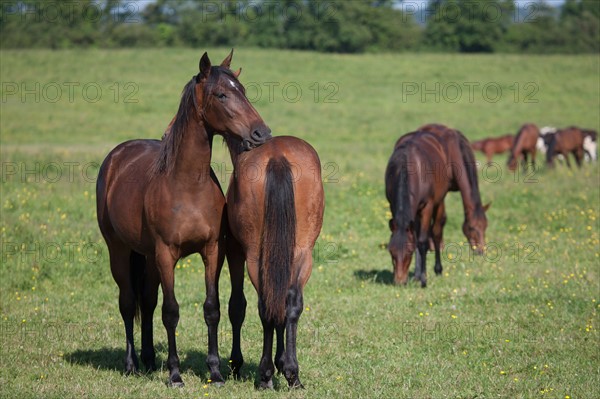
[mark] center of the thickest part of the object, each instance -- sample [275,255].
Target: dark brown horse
[415,188]
[461,173]
[158,201]
[275,206]
[565,141]
[494,145]
[525,144]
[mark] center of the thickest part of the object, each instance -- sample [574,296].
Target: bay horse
[565,141]
[524,145]
[275,205]
[415,190]
[158,201]
[493,146]
[461,173]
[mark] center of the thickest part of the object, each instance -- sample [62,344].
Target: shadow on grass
[195,361]
[385,277]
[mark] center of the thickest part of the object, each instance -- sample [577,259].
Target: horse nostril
[256,135]
[261,134]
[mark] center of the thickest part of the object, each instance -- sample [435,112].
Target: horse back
[247,190]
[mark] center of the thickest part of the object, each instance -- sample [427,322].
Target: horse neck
[235,150]
[194,153]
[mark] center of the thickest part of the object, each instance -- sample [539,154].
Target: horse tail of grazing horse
[137,266]
[279,236]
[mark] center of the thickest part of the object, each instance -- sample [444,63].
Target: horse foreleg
[165,264]
[213,256]
[437,234]
[266,367]
[237,302]
[149,301]
[423,241]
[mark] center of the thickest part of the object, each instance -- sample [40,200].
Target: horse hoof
[423,284]
[175,381]
[266,385]
[217,384]
[176,384]
[296,385]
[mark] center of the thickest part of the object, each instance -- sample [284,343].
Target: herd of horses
[159,201]
[552,142]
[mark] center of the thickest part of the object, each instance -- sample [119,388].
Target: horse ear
[487,206]
[204,66]
[227,61]
[237,73]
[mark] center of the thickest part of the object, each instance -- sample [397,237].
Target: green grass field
[520,322]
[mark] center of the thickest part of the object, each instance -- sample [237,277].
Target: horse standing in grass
[158,201]
[416,197]
[565,141]
[275,206]
[461,173]
[494,145]
[524,145]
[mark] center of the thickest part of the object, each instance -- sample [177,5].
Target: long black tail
[279,237]
[137,263]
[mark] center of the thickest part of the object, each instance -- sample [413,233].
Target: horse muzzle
[258,137]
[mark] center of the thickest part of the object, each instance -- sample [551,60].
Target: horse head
[474,229]
[401,246]
[225,108]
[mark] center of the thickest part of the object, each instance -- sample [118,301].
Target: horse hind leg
[120,265]
[266,367]
[294,307]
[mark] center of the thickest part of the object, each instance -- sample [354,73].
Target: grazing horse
[275,206]
[525,143]
[158,201]
[565,141]
[494,145]
[461,172]
[416,197]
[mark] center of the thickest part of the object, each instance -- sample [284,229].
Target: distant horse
[461,172]
[565,141]
[416,198]
[590,144]
[494,145]
[275,206]
[543,140]
[524,145]
[158,201]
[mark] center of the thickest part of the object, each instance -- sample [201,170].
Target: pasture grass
[520,322]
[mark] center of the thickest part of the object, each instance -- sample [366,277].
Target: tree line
[354,26]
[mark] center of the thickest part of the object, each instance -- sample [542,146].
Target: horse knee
[212,313]
[170,314]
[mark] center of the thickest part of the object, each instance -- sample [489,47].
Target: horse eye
[221,96]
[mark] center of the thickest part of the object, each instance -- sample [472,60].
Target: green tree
[467,25]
